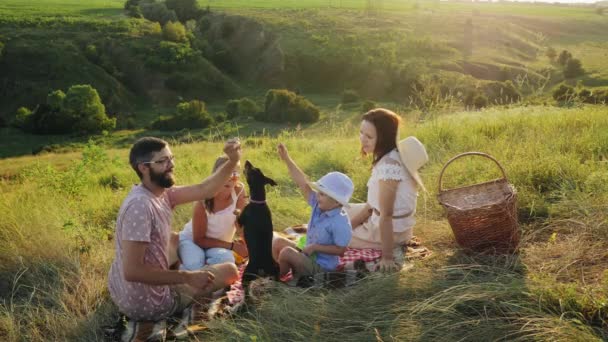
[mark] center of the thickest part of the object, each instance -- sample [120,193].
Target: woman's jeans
[194,257]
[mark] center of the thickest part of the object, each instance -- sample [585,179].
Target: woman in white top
[387,219]
[207,239]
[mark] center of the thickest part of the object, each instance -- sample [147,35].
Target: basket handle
[504,175]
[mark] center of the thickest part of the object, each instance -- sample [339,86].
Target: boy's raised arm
[294,171]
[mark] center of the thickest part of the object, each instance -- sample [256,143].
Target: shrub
[135,12]
[55,99]
[551,54]
[564,93]
[22,118]
[480,101]
[174,32]
[185,9]
[244,107]
[191,114]
[573,68]
[131,3]
[469,97]
[171,55]
[157,11]
[350,96]
[501,92]
[563,58]
[1,48]
[585,95]
[368,105]
[285,106]
[83,104]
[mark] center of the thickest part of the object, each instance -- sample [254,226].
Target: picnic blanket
[350,263]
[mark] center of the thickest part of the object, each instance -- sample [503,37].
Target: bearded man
[141,282]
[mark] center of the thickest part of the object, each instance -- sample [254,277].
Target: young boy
[329,230]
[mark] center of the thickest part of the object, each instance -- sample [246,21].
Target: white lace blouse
[390,167]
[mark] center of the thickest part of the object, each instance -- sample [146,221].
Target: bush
[595,96]
[501,92]
[564,93]
[563,58]
[480,101]
[1,48]
[22,118]
[368,105]
[185,9]
[131,3]
[78,111]
[83,104]
[350,96]
[244,107]
[171,55]
[55,99]
[573,68]
[285,106]
[191,114]
[135,12]
[174,32]
[551,54]
[157,11]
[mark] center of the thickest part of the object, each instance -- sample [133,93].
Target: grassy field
[554,289]
[59,207]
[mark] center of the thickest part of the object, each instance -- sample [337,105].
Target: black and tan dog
[256,221]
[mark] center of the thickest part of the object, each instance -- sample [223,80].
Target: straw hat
[335,185]
[413,155]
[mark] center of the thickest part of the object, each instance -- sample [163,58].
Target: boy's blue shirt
[331,227]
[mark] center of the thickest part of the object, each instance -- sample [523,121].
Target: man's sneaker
[144,331]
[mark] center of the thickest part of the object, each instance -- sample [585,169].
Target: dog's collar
[257,202]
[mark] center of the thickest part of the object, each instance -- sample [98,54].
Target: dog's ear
[269,181]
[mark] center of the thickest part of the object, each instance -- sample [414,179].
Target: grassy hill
[555,289]
[390,50]
[419,58]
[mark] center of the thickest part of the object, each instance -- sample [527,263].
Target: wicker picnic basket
[483,216]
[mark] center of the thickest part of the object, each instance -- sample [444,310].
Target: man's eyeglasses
[164,161]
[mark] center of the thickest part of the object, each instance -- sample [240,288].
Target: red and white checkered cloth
[370,256]
[346,262]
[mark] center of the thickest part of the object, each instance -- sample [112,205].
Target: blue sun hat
[335,185]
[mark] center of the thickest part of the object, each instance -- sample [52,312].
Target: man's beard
[162,179]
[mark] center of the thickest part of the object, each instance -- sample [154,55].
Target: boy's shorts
[311,266]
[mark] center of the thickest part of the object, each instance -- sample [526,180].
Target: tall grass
[56,236]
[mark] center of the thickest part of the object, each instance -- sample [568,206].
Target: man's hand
[308,250]
[282,150]
[201,280]
[387,265]
[232,149]
[241,248]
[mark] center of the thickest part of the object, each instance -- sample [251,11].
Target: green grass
[555,289]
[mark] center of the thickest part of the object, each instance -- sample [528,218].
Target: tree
[551,54]
[285,106]
[244,107]
[83,104]
[185,9]
[174,32]
[563,58]
[564,93]
[573,68]
[157,11]
[191,114]
[55,99]
[22,118]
